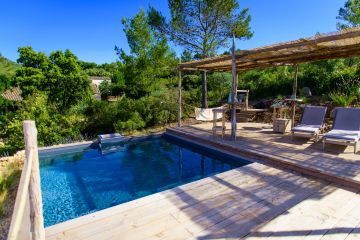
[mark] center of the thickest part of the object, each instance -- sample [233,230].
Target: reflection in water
[180,164]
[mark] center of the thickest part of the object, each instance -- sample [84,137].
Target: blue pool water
[87,180]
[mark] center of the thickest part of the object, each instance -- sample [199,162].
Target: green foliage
[150,63]
[341,100]
[58,75]
[349,15]
[99,117]
[267,83]
[134,122]
[102,70]
[128,114]
[218,84]
[5,105]
[322,77]
[53,127]
[7,67]
[106,89]
[202,26]
[97,72]
[4,82]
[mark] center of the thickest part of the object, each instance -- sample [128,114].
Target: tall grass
[9,177]
[10,171]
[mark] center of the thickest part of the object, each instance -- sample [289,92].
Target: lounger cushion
[343,135]
[306,128]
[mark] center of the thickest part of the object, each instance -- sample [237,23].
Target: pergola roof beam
[340,44]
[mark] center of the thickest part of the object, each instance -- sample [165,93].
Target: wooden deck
[251,202]
[254,201]
[337,162]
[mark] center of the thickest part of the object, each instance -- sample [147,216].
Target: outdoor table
[222,127]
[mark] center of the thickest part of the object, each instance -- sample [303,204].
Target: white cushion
[306,128]
[343,135]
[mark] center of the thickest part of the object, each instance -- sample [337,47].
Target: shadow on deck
[257,141]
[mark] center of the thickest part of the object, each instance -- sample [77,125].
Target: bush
[99,117]
[341,100]
[53,127]
[135,122]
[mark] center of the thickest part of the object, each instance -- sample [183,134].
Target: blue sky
[91,28]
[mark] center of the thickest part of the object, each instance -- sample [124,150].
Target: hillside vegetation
[7,67]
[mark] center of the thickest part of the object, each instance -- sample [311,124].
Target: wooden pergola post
[296,69]
[204,103]
[293,103]
[233,93]
[179,96]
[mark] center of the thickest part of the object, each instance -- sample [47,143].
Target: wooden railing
[27,219]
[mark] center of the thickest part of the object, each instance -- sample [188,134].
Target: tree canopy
[349,15]
[202,26]
[150,57]
[59,75]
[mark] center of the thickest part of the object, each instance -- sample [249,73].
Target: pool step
[110,138]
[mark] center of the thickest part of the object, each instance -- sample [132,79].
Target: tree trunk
[204,103]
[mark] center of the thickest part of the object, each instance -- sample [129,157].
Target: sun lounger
[311,122]
[346,129]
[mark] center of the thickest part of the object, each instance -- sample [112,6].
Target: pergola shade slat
[342,44]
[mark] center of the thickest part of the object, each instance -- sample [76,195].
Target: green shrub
[135,122]
[341,100]
[53,127]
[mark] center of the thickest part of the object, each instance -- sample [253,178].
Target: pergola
[341,44]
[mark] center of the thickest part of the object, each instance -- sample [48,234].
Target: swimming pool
[88,179]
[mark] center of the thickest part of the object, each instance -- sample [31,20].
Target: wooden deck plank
[233,205]
[228,214]
[276,203]
[171,221]
[343,229]
[342,168]
[170,197]
[310,219]
[251,202]
[135,219]
[150,225]
[196,186]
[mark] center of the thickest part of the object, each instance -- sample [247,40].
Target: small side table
[281,125]
[279,111]
[216,128]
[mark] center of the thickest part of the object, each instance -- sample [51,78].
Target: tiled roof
[12,94]
[99,78]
